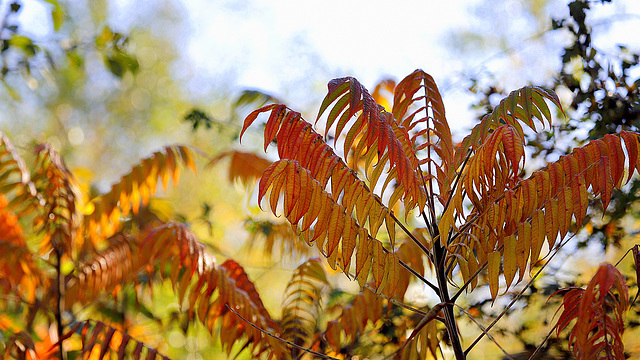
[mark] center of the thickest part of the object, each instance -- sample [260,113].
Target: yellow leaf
[348,243]
[494,272]
[363,257]
[393,274]
[510,263]
[537,235]
[464,268]
[523,247]
[336,224]
[445,224]
[378,263]
[391,229]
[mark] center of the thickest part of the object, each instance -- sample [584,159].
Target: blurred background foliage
[597,81]
[106,93]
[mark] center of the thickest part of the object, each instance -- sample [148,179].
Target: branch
[519,294]
[401,304]
[431,315]
[413,272]
[457,180]
[411,236]
[281,339]
[533,356]
[484,331]
[624,256]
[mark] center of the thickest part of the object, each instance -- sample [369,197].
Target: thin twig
[415,273]
[281,339]
[427,224]
[457,180]
[464,227]
[411,236]
[625,255]
[429,191]
[484,331]
[396,302]
[532,356]
[429,194]
[517,297]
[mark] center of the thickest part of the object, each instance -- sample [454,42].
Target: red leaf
[599,311]
[616,156]
[123,346]
[252,117]
[105,342]
[631,143]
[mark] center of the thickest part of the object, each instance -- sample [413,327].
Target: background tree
[321,310]
[602,99]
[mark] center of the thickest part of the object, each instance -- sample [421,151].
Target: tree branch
[484,330]
[519,295]
[281,339]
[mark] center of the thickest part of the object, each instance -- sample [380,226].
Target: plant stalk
[449,317]
[60,302]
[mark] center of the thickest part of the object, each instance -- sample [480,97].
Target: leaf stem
[60,300]
[410,235]
[533,355]
[457,180]
[415,273]
[484,331]
[281,339]
[519,294]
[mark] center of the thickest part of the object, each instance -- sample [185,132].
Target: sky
[291,49]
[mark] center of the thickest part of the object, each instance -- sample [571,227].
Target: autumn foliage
[376,184]
[478,212]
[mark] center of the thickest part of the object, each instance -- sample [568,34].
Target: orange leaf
[105,342]
[336,224]
[523,247]
[333,334]
[244,166]
[605,181]
[392,270]
[349,235]
[551,221]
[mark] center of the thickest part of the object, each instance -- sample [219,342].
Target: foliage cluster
[376,189]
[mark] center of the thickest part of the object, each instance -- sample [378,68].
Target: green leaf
[114,66]
[12,92]
[57,14]
[23,43]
